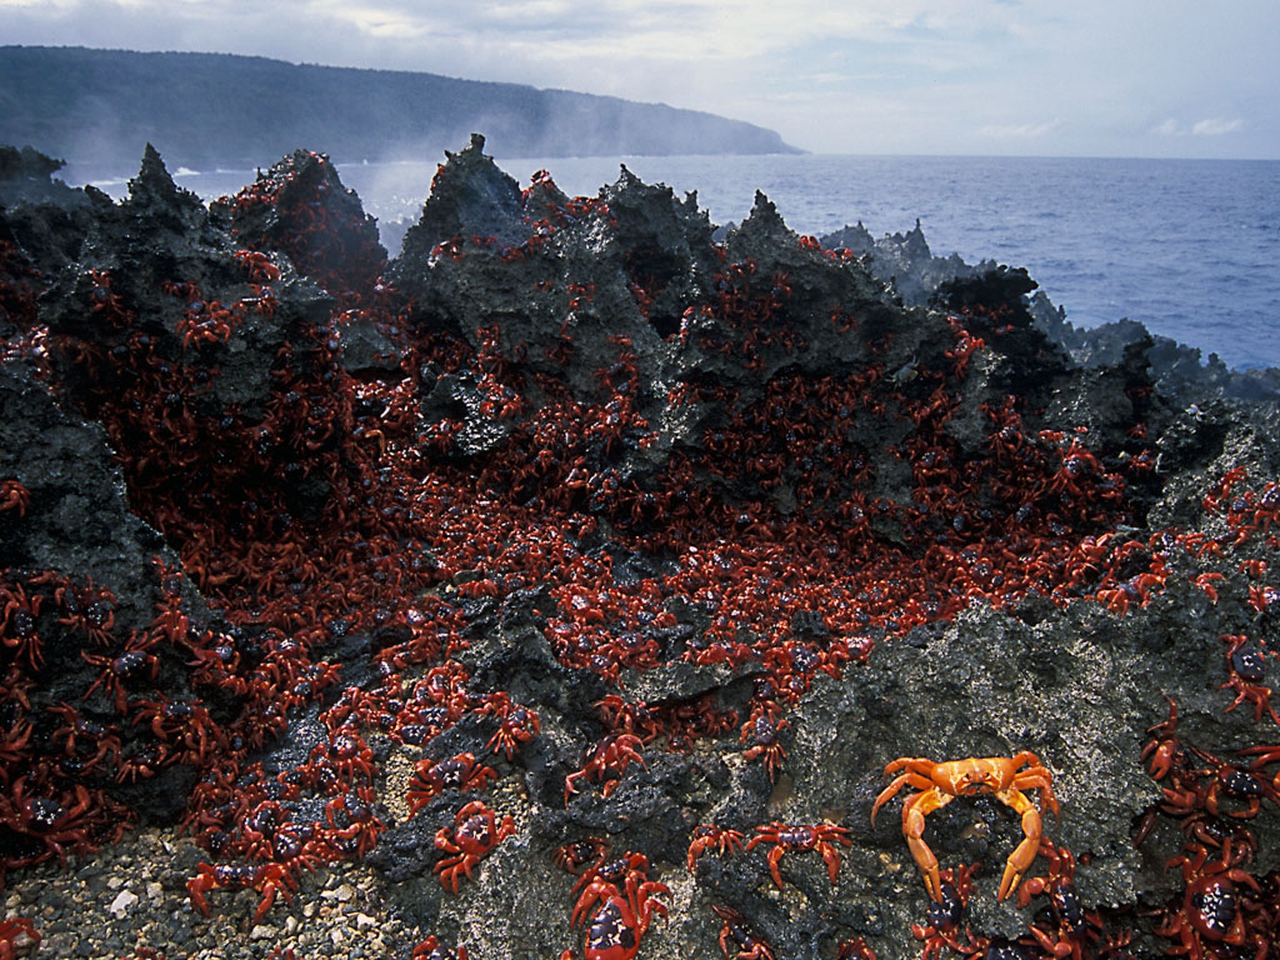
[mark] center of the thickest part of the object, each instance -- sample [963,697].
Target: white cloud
[1019,131]
[52,7]
[1216,126]
[872,76]
[1208,127]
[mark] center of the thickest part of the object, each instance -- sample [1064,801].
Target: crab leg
[775,855]
[1025,853]
[831,857]
[1038,778]
[912,778]
[914,810]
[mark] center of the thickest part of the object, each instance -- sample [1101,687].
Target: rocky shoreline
[661,529]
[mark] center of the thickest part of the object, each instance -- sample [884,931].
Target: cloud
[873,76]
[1216,126]
[1019,131]
[1208,127]
[382,21]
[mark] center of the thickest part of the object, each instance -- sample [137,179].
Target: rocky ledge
[577,570]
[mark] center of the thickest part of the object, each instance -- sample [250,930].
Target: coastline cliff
[209,111]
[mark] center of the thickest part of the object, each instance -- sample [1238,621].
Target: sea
[1189,248]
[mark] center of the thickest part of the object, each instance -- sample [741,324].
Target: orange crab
[940,783]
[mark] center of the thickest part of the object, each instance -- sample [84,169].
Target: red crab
[736,931]
[1211,908]
[854,948]
[707,836]
[762,730]
[605,879]
[11,930]
[132,661]
[1072,924]
[268,878]
[607,764]
[518,724]
[1228,781]
[18,623]
[1246,669]
[430,949]
[1264,755]
[475,833]
[430,778]
[946,916]
[62,822]
[786,837]
[186,728]
[618,927]
[1165,751]
[580,855]
[14,496]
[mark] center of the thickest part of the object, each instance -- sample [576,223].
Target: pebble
[123,903]
[108,905]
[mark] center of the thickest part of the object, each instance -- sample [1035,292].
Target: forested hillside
[210,110]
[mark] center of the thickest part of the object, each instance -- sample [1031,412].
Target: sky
[1124,78]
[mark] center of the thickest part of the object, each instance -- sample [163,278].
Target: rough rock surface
[802,508]
[905,262]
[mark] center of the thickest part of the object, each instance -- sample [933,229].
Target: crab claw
[1024,854]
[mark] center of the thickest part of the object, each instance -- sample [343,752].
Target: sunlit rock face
[515,565]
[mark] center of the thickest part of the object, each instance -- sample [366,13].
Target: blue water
[1190,248]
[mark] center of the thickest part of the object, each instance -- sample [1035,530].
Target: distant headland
[208,111]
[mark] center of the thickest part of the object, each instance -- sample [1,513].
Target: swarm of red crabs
[328,546]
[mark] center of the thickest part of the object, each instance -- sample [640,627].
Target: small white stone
[123,903]
[364,921]
[155,891]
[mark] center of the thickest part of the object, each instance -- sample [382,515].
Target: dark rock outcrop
[905,263]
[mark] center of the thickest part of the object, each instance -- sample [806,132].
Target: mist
[97,109]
